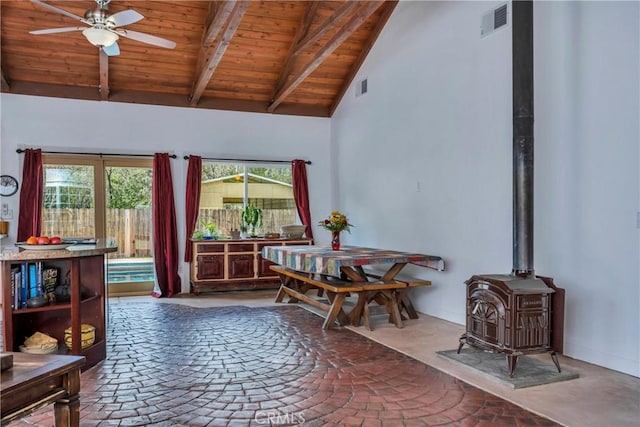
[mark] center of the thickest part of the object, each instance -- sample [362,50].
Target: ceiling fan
[104,29]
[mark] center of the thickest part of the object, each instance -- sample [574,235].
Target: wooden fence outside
[131,229]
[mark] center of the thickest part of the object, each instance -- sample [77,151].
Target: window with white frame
[226,188]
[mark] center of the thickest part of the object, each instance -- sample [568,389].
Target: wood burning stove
[518,313]
[511,315]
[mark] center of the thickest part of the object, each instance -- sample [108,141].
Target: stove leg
[511,362]
[462,338]
[554,357]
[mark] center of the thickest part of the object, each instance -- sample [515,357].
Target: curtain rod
[247,160]
[20,150]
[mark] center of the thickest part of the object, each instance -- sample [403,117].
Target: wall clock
[8,185]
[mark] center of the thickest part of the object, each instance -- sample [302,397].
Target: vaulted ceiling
[282,57]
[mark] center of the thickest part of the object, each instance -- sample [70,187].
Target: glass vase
[335,240]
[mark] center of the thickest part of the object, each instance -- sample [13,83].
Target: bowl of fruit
[43,243]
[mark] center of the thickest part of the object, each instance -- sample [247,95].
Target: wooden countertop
[73,251]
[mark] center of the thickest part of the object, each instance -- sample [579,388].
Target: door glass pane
[69,201]
[128,223]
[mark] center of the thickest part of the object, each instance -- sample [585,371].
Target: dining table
[348,265]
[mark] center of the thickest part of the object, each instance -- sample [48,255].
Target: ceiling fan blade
[146,38]
[125,17]
[113,50]
[57,30]
[58,10]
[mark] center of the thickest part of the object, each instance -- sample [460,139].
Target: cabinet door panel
[240,266]
[263,267]
[210,267]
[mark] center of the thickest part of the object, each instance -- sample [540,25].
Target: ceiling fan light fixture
[100,36]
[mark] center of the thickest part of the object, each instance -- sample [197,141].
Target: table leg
[356,312]
[405,303]
[67,409]
[360,312]
[353,274]
[343,318]
[336,308]
[393,271]
[394,313]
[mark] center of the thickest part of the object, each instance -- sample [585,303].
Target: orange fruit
[32,240]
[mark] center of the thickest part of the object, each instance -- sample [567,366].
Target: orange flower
[337,221]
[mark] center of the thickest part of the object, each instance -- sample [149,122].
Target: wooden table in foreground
[341,272]
[37,380]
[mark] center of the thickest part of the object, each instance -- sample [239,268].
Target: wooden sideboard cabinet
[222,265]
[84,268]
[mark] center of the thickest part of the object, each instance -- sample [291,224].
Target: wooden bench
[296,284]
[404,302]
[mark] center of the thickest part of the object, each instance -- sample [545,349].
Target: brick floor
[173,365]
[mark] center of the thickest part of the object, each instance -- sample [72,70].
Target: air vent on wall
[361,87]
[494,19]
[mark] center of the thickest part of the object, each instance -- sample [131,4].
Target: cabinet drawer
[209,247]
[240,247]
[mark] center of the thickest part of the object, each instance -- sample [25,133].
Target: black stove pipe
[522,47]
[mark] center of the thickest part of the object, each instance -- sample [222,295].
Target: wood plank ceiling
[282,57]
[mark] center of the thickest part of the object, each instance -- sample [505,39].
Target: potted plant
[208,231]
[243,230]
[252,218]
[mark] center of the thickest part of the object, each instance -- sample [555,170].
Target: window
[226,188]
[109,197]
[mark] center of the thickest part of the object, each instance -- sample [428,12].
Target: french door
[106,198]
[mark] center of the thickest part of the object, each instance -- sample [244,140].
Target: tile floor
[600,397]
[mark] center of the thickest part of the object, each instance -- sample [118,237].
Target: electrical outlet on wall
[6,213]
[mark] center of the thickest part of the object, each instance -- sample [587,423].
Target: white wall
[71,125]
[423,161]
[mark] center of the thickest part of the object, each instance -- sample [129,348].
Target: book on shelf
[24,286]
[34,291]
[49,282]
[15,288]
[30,280]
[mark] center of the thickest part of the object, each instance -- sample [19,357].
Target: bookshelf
[84,269]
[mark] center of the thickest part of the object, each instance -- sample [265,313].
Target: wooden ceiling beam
[363,12]
[221,15]
[173,100]
[210,56]
[104,75]
[387,10]
[302,31]
[329,23]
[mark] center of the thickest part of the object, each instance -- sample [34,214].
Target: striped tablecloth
[324,260]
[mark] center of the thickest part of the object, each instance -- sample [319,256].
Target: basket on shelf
[87,336]
[40,343]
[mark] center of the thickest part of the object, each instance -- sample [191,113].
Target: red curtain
[301,193]
[192,202]
[165,232]
[31,194]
